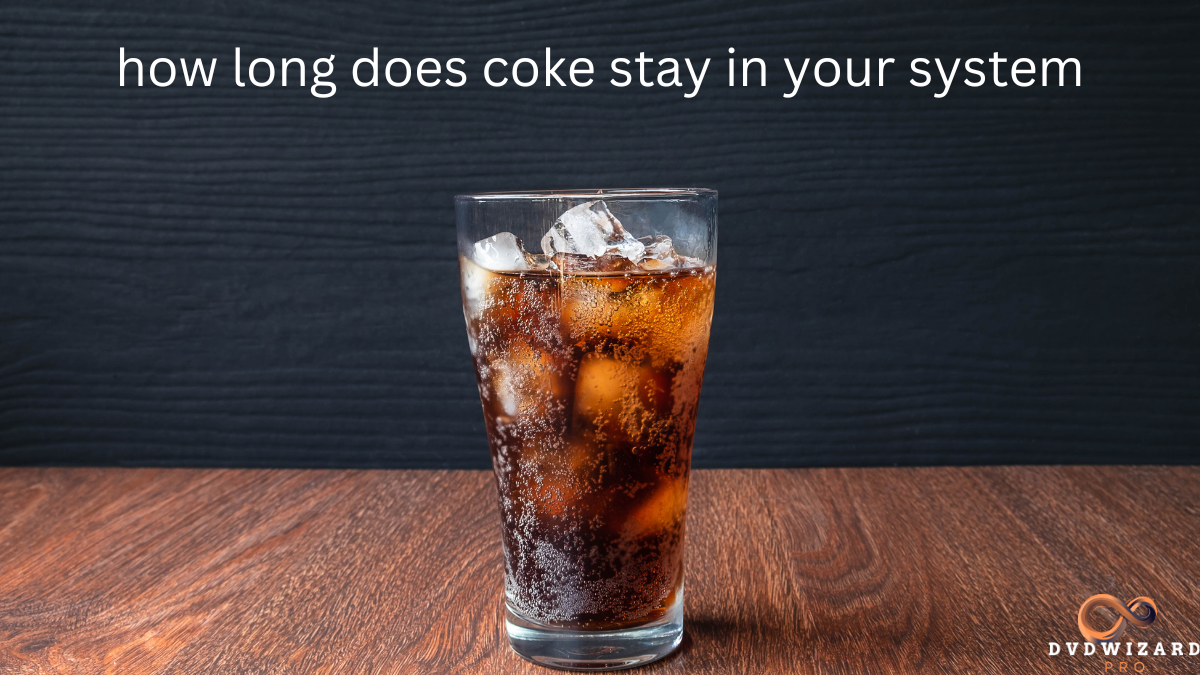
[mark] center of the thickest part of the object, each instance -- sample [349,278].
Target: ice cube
[526,382]
[660,512]
[660,253]
[601,264]
[501,253]
[654,264]
[601,385]
[658,247]
[539,261]
[591,230]
[474,283]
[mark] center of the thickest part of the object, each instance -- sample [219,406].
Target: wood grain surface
[243,276]
[894,570]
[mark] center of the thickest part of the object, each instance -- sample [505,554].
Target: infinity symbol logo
[1128,614]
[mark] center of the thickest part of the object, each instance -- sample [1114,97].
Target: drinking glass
[588,316]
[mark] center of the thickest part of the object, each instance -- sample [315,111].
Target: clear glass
[589,370]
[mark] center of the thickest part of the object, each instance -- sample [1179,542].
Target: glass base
[596,650]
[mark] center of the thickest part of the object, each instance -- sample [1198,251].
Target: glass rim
[610,193]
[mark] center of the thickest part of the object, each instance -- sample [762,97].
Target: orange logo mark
[1127,614]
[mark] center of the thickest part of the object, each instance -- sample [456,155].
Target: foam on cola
[589,358]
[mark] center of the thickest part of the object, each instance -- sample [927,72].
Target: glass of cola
[588,316]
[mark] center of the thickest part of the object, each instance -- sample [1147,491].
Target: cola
[589,370]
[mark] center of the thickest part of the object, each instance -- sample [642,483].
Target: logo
[1140,612]
[1104,643]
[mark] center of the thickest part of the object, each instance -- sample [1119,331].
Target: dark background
[260,277]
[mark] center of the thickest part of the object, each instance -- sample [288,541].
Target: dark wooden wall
[260,277]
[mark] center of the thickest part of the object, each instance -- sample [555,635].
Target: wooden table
[944,570]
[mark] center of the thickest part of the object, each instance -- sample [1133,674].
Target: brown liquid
[590,384]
